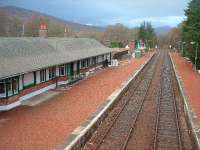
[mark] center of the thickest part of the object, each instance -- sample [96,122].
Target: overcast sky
[106,12]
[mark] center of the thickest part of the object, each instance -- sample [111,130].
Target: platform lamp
[196,55]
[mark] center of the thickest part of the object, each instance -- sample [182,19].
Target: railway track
[115,133]
[120,130]
[167,134]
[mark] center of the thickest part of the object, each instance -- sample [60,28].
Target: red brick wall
[64,78]
[38,87]
[30,90]
[9,100]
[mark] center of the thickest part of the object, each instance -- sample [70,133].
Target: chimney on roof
[43,32]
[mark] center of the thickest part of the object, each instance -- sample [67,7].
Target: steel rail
[175,113]
[138,113]
[122,108]
[158,113]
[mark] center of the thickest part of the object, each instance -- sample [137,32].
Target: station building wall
[29,84]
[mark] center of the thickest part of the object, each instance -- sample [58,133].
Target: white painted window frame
[10,93]
[43,71]
[52,77]
[3,95]
[60,72]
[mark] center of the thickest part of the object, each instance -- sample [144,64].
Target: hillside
[163,29]
[25,16]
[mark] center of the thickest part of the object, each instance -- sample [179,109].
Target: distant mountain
[24,15]
[163,29]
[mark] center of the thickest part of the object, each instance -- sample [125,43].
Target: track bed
[148,115]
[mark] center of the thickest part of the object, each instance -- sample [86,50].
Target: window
[103,58]
[15,86]
[93,60]
[83,63]
[62,70]
[108,56]
[100,58]
[2,89]
[9,87]
[88,62]
[28,80]
[52,72]
[42,75]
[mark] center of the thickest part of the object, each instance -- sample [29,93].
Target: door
[78,67]
[71,69]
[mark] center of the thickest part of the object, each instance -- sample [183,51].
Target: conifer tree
[147,34]
[191,31]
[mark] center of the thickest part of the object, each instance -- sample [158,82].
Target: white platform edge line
[186,103]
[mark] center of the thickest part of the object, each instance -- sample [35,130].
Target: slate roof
[21,55]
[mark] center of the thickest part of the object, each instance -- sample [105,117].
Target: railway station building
[32,65]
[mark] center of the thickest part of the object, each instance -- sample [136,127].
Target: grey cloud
[104,12]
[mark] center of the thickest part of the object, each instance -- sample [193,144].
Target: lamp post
[196,54]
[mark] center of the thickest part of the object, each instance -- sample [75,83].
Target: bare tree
[9,25]
[120,33]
